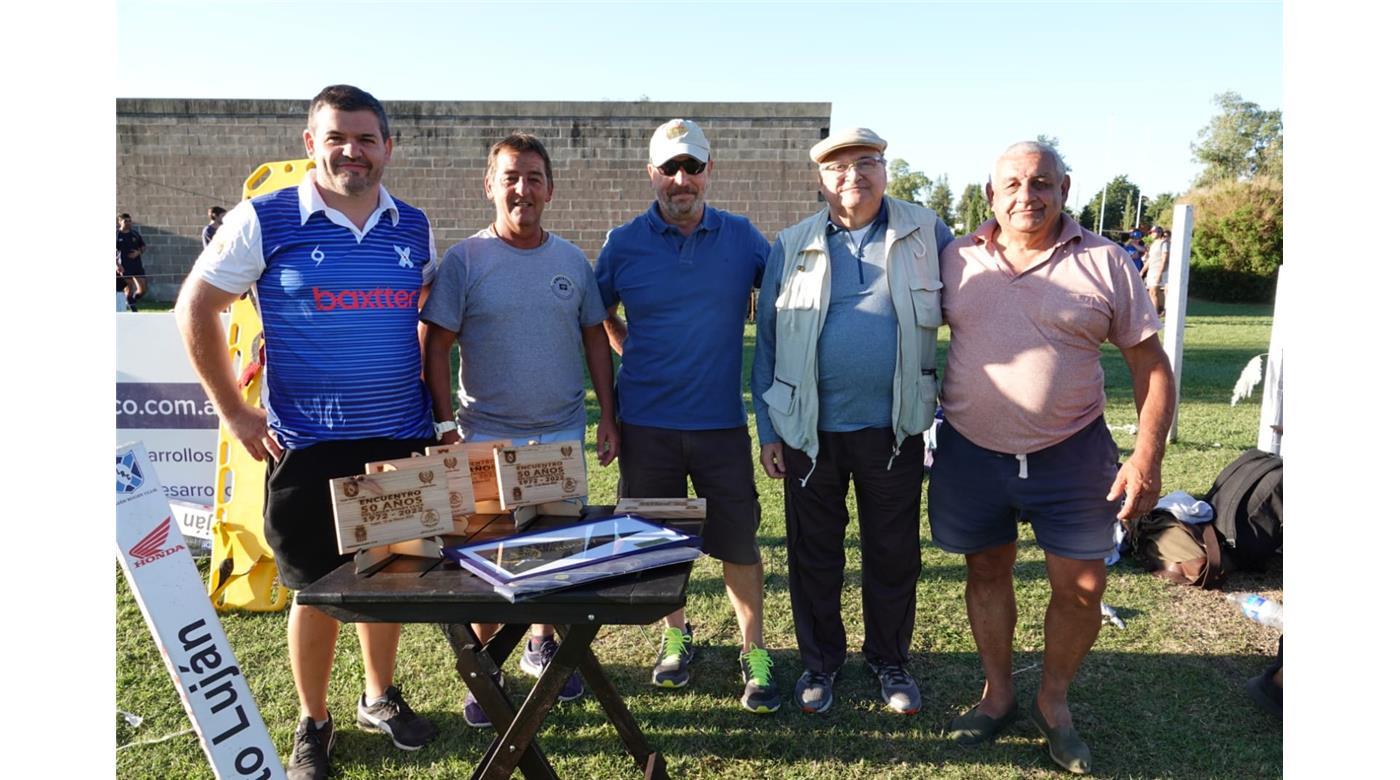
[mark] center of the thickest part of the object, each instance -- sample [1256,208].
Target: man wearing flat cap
[684,270]
[844,384]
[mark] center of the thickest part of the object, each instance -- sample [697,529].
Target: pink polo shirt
[1023,365]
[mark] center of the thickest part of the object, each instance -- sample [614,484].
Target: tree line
[1237,244]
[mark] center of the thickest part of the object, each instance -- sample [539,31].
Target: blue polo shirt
[686,299]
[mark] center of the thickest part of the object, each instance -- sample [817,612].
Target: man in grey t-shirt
[520,303]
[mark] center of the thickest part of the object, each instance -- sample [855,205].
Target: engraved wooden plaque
[663,508]
[540,473]
[372,510]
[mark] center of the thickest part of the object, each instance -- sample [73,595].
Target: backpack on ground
[1180,553]
[1248,501]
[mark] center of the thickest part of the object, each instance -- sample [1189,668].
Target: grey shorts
[975,495]
[655,462]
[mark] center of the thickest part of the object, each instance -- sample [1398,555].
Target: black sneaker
[672,669]
[393,716]
[311,750]
[760,689]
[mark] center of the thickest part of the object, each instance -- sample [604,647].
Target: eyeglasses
[690,165]
[866,166]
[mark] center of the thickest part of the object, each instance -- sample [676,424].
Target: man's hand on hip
[249,426]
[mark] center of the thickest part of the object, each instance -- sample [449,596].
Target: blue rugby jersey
[339,313]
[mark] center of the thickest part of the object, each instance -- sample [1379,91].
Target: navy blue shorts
[975,495]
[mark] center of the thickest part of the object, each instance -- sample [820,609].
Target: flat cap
[852,136]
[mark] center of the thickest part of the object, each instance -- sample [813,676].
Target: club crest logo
[317,256]
[566,450]
[430,518]
[562,287]
[450,463]
[129,476]
[405,258]
[675,130]
[426,477]
[351,489]
[508,456]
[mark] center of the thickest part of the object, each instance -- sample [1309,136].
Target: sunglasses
[690,165]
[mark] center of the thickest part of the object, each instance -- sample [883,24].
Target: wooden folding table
[420,590]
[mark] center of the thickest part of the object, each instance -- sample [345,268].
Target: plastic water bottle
[1258,608]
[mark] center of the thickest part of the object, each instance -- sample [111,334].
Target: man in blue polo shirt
[683,270]
[337,268]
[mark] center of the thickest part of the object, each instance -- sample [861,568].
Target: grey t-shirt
[518,315]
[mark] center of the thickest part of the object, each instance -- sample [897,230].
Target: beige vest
[911,252]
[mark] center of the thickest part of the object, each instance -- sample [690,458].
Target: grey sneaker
[897,687]
[393,716]
[311,750]
[672,668]
[815,691]
[760,690]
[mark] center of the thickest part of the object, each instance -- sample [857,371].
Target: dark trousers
[887,506]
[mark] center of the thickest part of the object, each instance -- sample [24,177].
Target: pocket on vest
[928,303]
[781,397]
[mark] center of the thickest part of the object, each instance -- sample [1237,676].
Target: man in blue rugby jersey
[338,268]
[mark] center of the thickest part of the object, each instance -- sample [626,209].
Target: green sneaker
[672,668]
[760,691]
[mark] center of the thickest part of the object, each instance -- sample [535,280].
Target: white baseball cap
[677,137]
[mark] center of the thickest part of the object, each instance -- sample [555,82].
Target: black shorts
[297,517]
[656,461]
[132,268]
[975,495]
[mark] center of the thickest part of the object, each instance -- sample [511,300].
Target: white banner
[197,654]
[161,403]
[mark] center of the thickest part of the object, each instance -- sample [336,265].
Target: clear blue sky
[1125,87]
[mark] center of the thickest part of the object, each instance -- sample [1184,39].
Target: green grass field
[1161,698]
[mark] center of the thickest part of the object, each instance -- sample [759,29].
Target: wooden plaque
[663,508]
[481,459]
[372,510]
[453,460]
[540,473]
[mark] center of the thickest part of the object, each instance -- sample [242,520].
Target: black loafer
[973,727]
[1066,748]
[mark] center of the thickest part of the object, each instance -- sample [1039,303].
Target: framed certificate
[570,555]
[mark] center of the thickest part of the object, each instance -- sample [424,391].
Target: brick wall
[175,158]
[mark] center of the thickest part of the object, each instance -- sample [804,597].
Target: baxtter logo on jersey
[197,654]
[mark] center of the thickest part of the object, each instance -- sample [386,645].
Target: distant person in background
[216,218]
[1154,271]
[130,246]
[1136,249]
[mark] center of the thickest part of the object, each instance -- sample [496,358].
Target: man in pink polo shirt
[1029,297]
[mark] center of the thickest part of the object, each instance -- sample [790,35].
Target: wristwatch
[444,427]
